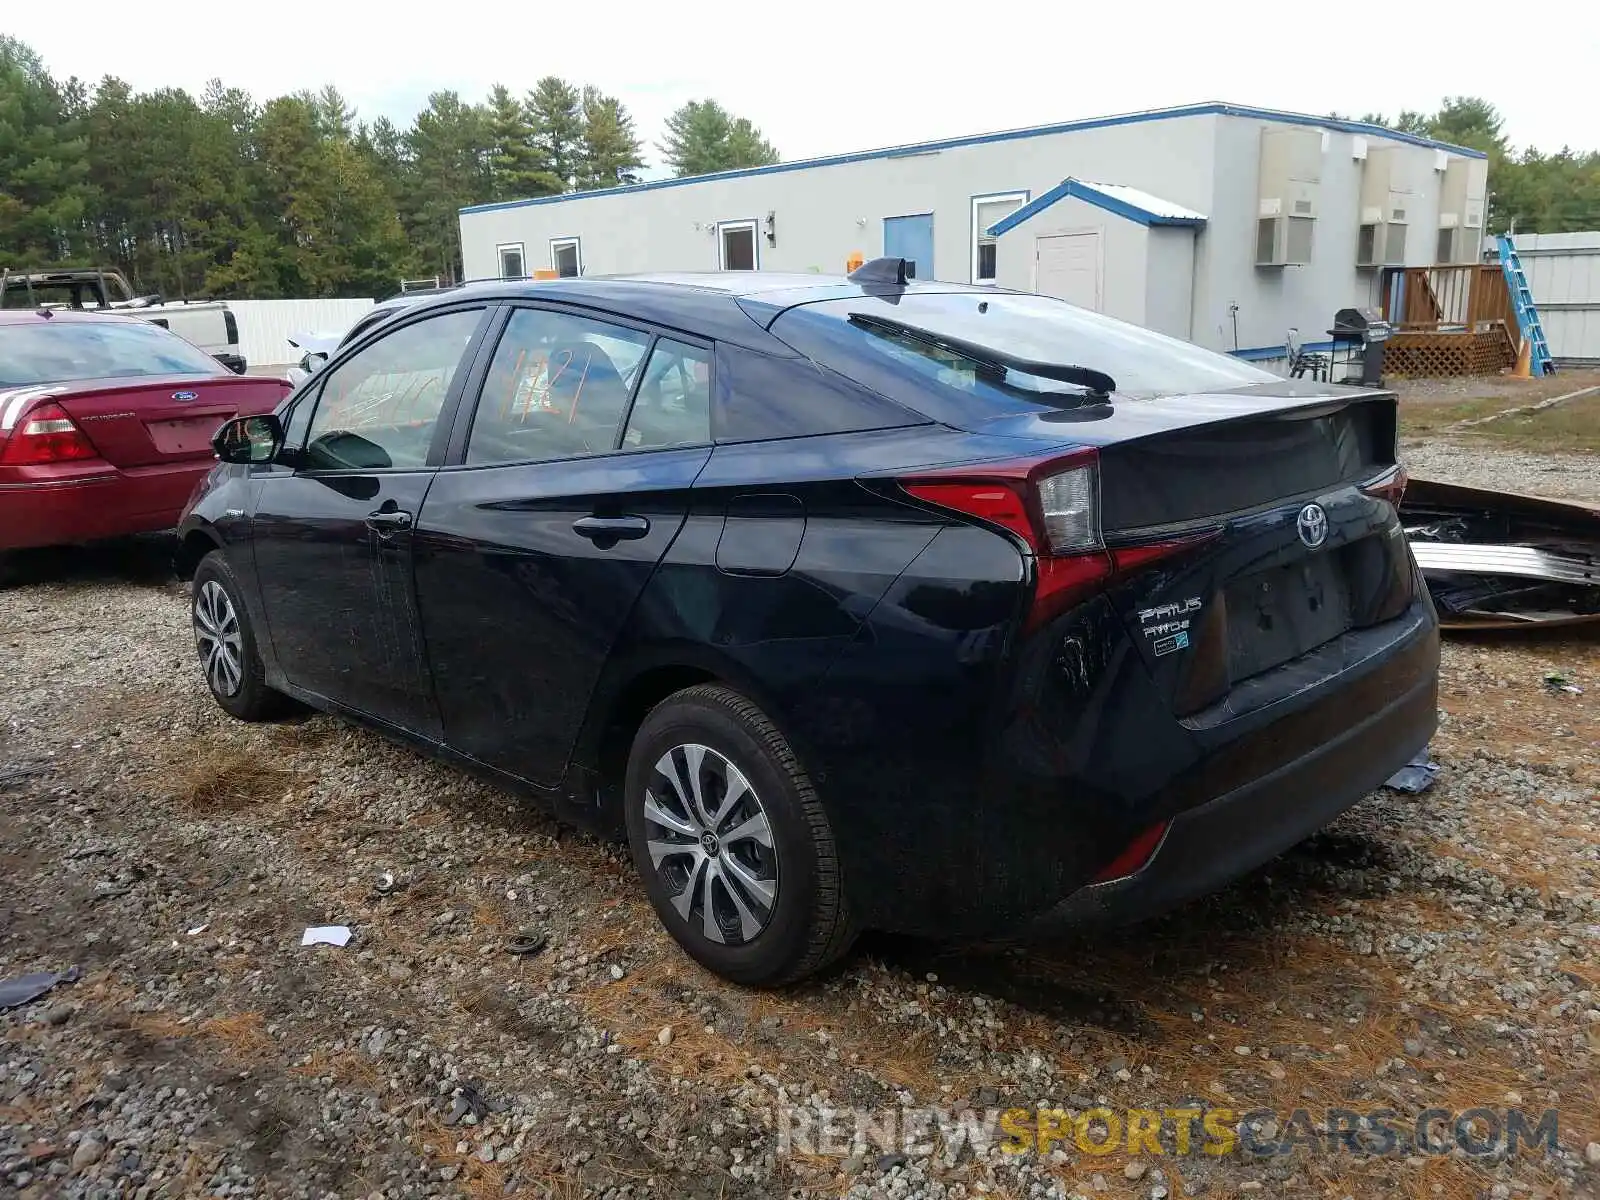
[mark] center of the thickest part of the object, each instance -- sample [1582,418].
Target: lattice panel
[1441,355]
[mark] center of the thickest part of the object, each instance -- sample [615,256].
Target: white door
[1067,267]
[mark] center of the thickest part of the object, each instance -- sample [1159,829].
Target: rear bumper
[1238,830]
[86,502]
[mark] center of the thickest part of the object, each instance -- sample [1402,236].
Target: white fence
[1563,272]
[265,325]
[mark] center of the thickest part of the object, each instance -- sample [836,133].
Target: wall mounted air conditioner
[1290,183]
[1462,190]
[1285,241]
[1367,245]
[1389,197]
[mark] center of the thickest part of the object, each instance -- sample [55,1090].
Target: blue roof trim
[1032,208]
[1213,108]
[1082,191]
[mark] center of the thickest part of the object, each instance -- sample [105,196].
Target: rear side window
[672,406]
[911,367]
[58,350]
[760,397]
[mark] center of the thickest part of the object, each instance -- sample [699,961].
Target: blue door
[910,238]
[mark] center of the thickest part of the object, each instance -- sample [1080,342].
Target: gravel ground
[1440,950]
[1504,387]
[1461,458]
[1564,476]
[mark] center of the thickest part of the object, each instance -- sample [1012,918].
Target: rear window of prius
[57,351]
[873,351]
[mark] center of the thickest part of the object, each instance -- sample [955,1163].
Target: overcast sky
[821,77]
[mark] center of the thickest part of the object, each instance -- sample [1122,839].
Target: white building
[1224,225]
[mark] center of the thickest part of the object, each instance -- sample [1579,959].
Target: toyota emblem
[1313,525]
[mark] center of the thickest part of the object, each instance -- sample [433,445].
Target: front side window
[673,404]
[511,266]
[566,257]
[557,388]
[67,348]
[377,409]
[986,212]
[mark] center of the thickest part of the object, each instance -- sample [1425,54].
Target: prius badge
[1313,525]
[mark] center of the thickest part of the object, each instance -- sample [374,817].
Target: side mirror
[314,361]
[249,439]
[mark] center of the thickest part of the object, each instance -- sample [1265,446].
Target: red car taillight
[46,435]
[1135,855]
[1053,504]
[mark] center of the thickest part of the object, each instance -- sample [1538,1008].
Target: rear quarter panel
[873,643]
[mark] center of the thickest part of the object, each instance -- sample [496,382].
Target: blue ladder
[1527,314]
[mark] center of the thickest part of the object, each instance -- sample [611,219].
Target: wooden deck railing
[1454,319]
[1462,298]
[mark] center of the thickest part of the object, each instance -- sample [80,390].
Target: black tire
[808,924]
[251,699]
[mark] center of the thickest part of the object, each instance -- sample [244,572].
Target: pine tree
[335,118]
[42,163]
[703,137]
[516,165]
[611,152]
[448,147]
[553,111]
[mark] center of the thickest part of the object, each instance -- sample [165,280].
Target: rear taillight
[1052,504]
[46,435]
[1390,486]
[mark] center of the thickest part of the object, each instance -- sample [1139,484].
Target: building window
[986,212]
[566,257]
[511,264]
[736,246]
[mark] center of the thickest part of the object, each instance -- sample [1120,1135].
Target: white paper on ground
[326,935]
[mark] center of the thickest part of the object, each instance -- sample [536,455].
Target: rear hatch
[1245,513]
[1250,528]
[153,421]
[1263,538]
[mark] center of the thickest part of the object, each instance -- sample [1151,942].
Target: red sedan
[106,424]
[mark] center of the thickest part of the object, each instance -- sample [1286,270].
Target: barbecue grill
[1360,333]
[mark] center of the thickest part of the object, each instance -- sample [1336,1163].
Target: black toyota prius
[852,602]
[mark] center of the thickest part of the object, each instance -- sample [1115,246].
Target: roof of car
[735,306]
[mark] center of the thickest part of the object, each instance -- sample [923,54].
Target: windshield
[1037,329]
[102,348]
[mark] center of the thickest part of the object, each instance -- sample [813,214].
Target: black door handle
[600,529]
[388,520]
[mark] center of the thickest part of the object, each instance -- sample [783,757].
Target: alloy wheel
[217,637]
[711,844]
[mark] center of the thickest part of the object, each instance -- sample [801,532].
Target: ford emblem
[186,395]
[1313,525]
